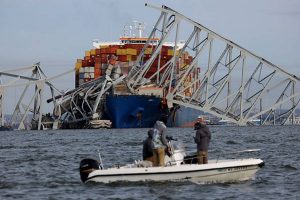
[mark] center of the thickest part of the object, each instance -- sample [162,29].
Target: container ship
[114,59]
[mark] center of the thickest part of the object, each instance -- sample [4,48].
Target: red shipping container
[128,46]
[122,58]
[98,52]
[164,50]
[97,72]
[154,64]
[162,62]
[97,65]
[91,62]
[140,46]
[150,73]
[97,60]
[103,58]
[113,49]
[84,63]
[103,50]
[152,69]
[133,58]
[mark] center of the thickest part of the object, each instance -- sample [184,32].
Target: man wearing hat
[202,140]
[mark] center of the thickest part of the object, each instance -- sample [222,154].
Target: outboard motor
[86,167]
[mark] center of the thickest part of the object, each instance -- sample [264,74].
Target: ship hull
[133,111]
[186,117]
[142,111]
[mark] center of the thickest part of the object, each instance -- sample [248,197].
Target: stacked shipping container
[96,61]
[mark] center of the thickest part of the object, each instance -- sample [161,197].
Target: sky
[57,32]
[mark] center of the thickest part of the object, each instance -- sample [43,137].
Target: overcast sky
[57,32]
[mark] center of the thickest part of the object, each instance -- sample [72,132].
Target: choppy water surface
[44,164]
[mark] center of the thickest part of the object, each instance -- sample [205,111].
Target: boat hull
[214,172]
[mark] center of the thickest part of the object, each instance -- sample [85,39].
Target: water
[44,165]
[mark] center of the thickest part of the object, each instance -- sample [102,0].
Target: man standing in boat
[202,140]
[159,141]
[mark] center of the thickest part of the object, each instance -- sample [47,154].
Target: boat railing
[243,154]
[100,160]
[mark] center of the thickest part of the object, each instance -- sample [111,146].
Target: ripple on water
[38,164]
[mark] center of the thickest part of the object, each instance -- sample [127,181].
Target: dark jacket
[147,148]
[202,137]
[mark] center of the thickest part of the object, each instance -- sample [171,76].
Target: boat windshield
[178,145]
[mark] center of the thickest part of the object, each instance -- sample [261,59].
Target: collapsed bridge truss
[234,83]
[33,82]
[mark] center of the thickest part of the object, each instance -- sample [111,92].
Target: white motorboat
[178,167]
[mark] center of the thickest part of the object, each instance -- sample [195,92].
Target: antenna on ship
[140,27]
[127,31]
[136,30]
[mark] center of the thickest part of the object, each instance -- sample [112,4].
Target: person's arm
[197,137]
[208,133]
[152,145]
[144,151]
[163,137]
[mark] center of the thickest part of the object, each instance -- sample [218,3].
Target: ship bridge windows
[133,41]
